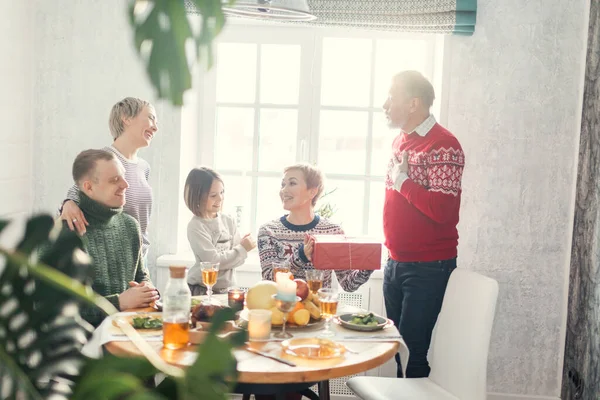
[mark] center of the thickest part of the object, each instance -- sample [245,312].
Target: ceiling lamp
[274,10]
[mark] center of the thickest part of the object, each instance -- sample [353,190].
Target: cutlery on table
[267,355]
[378,337]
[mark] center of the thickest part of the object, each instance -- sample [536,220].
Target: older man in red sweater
[422,201]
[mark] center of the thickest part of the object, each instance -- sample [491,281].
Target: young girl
[213,236]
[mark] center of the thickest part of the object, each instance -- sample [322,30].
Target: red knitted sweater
[419,222]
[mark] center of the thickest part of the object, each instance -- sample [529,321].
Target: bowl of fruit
[305,314]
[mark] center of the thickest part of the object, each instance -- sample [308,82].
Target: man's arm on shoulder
[440,202]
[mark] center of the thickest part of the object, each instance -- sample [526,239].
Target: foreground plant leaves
[168,45]
[41,332]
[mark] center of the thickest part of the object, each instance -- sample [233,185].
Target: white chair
[459,347]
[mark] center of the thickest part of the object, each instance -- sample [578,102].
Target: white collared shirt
[422,129]
[425,126]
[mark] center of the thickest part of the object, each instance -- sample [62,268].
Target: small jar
[236,298]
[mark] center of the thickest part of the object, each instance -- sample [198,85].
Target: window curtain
[434,16]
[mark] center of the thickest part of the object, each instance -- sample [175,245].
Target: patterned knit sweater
[419,220]
[138,195]
[113,241]
[279,241]
[215,240]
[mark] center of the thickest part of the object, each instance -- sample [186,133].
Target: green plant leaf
[3,224]
[117,378]
[214,372]
[37,230]
[41,332]
[168,45]
[57,279]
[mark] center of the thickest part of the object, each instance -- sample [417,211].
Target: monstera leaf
[214,372]
[41,332]
[169,45]
[210,377]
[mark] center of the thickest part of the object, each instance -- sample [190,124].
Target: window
[281,95]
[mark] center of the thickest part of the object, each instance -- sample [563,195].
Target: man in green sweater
[113,238]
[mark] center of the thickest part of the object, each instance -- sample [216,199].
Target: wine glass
[280,267]
[210,273]
[329,302]
[285,306]
[314,279]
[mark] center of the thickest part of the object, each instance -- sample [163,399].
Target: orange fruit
[301,317]
[298,306]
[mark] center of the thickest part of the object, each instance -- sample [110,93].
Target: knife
[267,355]
[383,338]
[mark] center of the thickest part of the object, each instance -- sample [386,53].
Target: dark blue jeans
[413,295]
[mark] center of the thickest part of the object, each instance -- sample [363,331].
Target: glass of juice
[329,302]
[210,273]
[314,279]
[281,267]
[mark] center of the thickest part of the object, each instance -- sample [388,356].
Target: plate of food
[313,348]
[146,323]
[365,322]
[203,313]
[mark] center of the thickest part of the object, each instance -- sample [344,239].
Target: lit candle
[259,324]
[235,298]
[286,288]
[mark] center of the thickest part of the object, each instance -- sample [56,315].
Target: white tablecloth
[355,340]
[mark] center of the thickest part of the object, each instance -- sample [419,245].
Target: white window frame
[309,104]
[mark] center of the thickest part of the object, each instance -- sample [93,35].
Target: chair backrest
[459,349]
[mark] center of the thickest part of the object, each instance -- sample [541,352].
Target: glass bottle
[177,302]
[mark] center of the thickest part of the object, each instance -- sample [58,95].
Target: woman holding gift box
[289,239]
[213,236]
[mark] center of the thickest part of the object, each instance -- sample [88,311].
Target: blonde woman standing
[132,124]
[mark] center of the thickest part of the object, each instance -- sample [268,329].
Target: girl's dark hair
[197,186]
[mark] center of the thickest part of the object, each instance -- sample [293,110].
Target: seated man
[113,238]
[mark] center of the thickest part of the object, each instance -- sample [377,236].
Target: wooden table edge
[128,349]
[322,374]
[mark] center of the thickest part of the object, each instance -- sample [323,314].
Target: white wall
[515,104]
[16,77]
[86,63]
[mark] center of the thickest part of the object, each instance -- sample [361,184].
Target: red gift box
[344,252]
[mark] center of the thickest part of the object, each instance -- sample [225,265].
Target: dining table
[258,374]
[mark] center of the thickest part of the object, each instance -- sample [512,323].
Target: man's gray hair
[84,165]
[416,85]
[129,107]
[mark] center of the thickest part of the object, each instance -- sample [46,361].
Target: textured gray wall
[84,64]
[582,353]
[514,103]
[16,76]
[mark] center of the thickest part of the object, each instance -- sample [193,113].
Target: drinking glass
[314,279]
[280,267]
[210,273]
[259,324]
[285,306]
[329,302]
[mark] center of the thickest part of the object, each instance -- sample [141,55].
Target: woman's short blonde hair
[313,177]
[129,107]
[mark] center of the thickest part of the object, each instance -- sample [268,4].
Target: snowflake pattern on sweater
[282,242]
[438,170]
